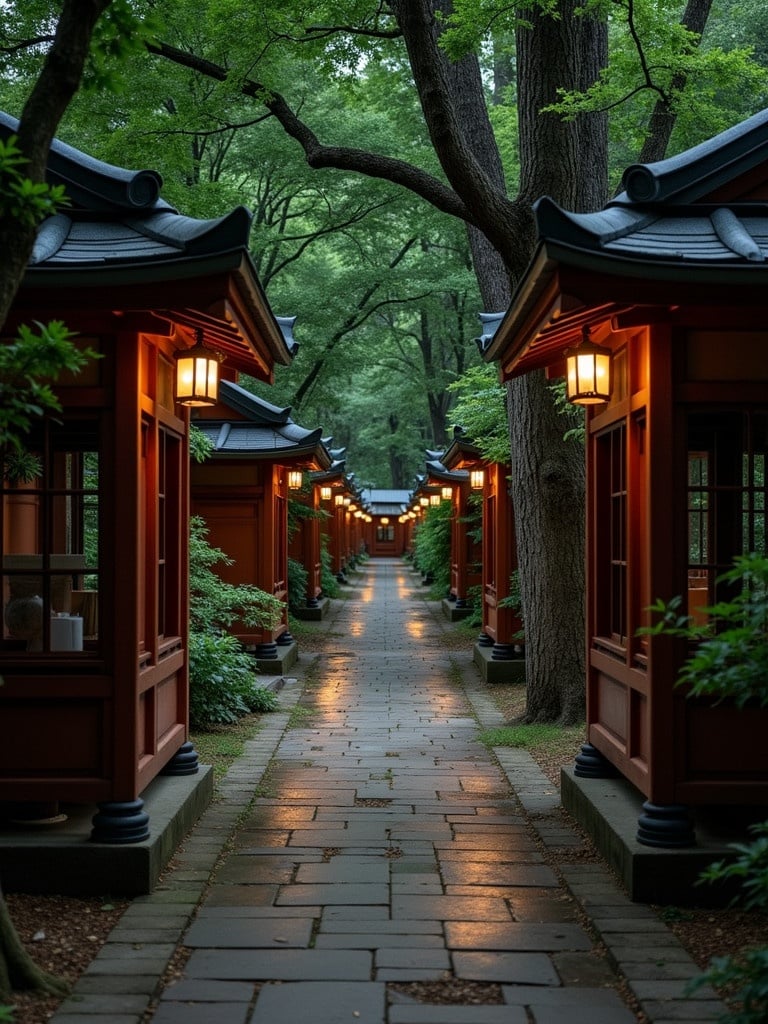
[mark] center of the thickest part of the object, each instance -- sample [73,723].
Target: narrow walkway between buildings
[387,872]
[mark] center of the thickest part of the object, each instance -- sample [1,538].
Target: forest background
[381,282]
[391,151]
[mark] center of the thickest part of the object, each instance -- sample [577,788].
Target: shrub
[432,545]
[298,579]
[223,683]
[328,581]
[215,604]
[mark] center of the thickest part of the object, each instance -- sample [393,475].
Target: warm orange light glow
[434,499]
[325,493]
[446,493]
[588,372]
[385,520]
[338,500]
[197,375]
[295,477]
[477,479]
[424,502]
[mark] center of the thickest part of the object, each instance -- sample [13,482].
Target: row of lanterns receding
[588,373]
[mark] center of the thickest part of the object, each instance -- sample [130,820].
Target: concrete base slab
[316,614]
[454,614]
[287,656]
[511,671]
[61,858]
[608,810]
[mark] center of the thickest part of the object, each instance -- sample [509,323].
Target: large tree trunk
[17,968]
[50,96]
[567,161]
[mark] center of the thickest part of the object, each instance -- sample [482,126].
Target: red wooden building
[499,652]
[94,550]
[260,459]
[466,553]
[384,536]
[670,278]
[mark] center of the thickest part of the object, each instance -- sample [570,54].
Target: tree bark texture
[547,486]
[58,82]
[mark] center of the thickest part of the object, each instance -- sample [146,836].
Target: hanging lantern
[295,479]
[434,499]
[197,374]
[325,493]
[338,500]
[588,376]
[385,520]
[424,502]
[477,479]
[446,493]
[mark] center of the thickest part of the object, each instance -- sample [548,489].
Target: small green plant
[298,580]
[731,662]
[432,545]
[21,466]
[215,604]
[223,684]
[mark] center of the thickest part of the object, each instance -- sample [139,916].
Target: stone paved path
[387,847]
[385,862]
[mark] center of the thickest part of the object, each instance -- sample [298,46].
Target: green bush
[223,682]
[432,546]
[328,581]
[215,604]
[298,580]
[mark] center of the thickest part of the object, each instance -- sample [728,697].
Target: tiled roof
[267,430]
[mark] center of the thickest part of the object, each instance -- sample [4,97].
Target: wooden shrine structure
[260,458]
[93,651]
[670,278]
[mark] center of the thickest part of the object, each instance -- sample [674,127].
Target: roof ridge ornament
[732,232]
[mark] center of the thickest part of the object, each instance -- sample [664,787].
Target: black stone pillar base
[312,602]
[266,651]
[484,640]
[120,822]
[461,602]
[184,762]
[665,825]
[505,652]
[591,764]
[285,639]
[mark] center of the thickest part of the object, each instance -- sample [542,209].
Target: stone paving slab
[330,1003]
[508,968]
[515,936]
[282,965]
[579,1008]
[249,933]
[423,1014]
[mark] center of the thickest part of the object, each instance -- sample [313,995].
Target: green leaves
[731,661]
[214,604]
[28,366]
[21,199]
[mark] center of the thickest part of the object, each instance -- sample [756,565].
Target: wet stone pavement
[386,872]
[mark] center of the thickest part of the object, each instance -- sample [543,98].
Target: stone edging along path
[122,981]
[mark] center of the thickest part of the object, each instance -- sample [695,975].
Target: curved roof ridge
[692,174]
[249,404]
[87,178]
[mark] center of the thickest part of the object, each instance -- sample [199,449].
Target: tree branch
[317,155]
